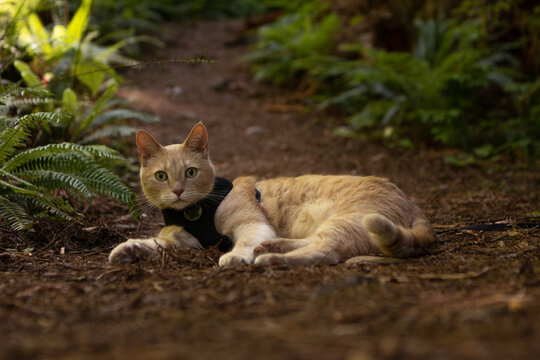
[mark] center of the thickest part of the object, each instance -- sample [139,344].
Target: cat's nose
[178,192]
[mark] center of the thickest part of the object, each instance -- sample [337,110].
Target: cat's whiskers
[147,203]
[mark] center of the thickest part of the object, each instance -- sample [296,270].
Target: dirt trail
[477,297]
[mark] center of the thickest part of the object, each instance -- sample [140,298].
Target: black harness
[198,219]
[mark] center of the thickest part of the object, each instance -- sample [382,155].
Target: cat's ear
[147,146]
[197,140]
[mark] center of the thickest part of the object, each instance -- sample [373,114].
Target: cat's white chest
[308,217]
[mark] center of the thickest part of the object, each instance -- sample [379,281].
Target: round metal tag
[193,213]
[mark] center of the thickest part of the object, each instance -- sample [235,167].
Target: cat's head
[175,176]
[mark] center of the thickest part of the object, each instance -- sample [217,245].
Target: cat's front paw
[235,259]
[131,251]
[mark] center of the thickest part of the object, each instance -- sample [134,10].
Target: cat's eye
[160,176]
[191,172]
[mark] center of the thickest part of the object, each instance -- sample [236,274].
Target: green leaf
[69,102]
[95,110]
[91,74]
[78,23]
[110,131]
[53,150]
[122,114]
[40,35]
[460,159]
[484,151]
[29,77]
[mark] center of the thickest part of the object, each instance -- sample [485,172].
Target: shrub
[463,85]
[66,62]
[291,45]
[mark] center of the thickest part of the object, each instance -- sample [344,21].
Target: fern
[14,137]
[14,214]
[48,151]
[51,180]
[29,179]
[117,114]
[108,132]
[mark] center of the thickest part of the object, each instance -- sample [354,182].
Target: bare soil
[476,297]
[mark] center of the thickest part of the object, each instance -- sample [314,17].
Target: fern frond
[50,150]
[52,180]
[55,206]
[19,181]
[19,189]
[122,114]
[28,101]
[104,182]
[6,121]
[14,90]
[14,214]
[14,136]
[47,117]
[13,96]
[80,173]
[110,131]
[117,102]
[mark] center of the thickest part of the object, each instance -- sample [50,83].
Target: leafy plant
[87,122]
[101,121]
[31,180]
[68,53]
[63,59]
[293,43]
[457,86]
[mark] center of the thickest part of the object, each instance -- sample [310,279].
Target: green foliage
[66,55]
[31,179]
[459,86]
[87,122]
[75,70]
[293,43]
[68,103]
[208,9]
[135,17]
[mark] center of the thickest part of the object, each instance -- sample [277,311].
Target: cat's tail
[398,241]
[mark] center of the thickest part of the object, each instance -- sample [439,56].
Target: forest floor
[476,297]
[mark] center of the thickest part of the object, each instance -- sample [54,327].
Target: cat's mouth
[179,204]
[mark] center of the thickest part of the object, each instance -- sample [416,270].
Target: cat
[306,220]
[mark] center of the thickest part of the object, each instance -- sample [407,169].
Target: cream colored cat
[305,220]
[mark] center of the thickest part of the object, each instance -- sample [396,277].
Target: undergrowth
[469,80]
[48,180]
[57,89]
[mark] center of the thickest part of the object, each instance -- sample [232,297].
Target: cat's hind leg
[312,254]
[336,239]
[279,246]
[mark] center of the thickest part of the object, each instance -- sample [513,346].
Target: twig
[108,272]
